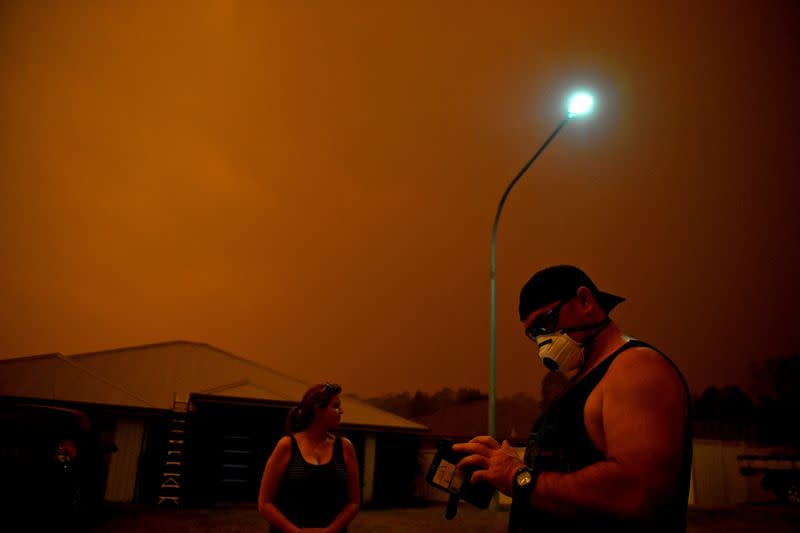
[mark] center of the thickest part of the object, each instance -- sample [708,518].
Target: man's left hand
[498,463]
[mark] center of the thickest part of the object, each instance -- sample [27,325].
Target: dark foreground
[245,519]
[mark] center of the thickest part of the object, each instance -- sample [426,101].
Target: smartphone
[444,475]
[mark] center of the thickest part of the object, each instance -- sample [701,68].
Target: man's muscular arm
[644,411]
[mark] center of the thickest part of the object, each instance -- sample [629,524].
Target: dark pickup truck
[781,473]
[53,463]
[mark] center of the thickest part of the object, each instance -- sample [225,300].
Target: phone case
[444,475]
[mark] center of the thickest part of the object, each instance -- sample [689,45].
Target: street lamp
[580,103]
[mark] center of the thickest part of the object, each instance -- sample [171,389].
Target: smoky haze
[312,185]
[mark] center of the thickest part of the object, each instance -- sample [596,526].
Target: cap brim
[608,301]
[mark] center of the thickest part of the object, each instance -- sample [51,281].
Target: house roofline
[256,402]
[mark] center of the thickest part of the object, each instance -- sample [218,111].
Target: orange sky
[312,184]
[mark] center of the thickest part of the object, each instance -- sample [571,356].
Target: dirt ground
[241,519]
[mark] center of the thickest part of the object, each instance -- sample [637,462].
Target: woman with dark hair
[311,480]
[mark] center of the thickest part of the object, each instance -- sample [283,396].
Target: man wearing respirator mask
[614,451]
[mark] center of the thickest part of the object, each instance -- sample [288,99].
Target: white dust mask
[561,353]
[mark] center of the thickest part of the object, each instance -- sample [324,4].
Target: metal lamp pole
[580,104]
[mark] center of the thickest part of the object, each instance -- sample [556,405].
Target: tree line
[770,415]
[421,403]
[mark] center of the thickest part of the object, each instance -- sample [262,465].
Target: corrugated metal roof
[154,375]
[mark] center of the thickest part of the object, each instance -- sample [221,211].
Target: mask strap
[600,325]
[588,341]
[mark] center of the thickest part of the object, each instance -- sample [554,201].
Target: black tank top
[313,495]
[558,442]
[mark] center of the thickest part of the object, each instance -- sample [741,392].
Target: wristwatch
[524,481]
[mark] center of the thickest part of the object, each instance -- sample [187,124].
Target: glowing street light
[580,104]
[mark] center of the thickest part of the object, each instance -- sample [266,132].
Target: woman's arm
[270,482]
[350,510]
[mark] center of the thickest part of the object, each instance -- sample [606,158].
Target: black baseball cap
[557,283]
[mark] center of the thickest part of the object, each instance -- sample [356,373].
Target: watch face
[523,478]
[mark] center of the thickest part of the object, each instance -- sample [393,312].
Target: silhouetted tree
[469,395]
[728,404]
[443,398]
[723,413]
[778,408]
[399,404]
[421,405]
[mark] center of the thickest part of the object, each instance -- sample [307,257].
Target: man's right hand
[498,463]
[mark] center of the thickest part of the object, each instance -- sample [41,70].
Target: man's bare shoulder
[646,370]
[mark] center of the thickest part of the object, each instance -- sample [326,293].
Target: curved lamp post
[580,103]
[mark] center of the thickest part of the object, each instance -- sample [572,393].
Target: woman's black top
[312,495]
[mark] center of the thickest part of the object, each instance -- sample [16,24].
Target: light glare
[580,104]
